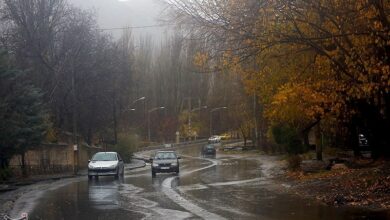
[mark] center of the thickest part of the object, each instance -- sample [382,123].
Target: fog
[127,13]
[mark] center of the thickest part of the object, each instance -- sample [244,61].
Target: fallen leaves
[363,187]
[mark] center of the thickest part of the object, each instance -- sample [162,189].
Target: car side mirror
[179,157]
[89,161]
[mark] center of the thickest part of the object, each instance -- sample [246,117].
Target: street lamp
[142,98]
[150,111]
[130,109]
[189,117]
[211,117]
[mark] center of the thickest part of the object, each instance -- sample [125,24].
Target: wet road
[228,187]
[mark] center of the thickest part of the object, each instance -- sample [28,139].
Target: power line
[134,27]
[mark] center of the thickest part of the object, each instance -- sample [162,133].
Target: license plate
[164,168]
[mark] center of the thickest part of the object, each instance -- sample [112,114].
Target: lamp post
[189,117]
[143,98]
[211,117]
[150,111]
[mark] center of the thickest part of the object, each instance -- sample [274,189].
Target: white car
[214,139]
[106,164]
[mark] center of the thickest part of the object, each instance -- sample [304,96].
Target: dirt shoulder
[366,185]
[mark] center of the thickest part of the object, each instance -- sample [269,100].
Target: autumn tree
[342,71]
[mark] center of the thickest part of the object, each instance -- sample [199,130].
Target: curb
[136,167]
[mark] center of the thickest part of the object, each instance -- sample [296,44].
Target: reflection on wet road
[222,188]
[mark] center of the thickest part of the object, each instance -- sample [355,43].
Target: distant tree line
[60,73]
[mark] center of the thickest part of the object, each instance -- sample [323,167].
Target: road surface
[228,187]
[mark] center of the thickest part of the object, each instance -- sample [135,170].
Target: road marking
[192,187]
[186,204]
[132,200]
[238,182]
[229,183]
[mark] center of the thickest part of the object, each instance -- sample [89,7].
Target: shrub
[289,138]
[127,144]
[5,173]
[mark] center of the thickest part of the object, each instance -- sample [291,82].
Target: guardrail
[175,146]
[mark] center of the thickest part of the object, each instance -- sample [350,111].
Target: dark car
[209,150]
[363,140]
[165,162]
[106,164]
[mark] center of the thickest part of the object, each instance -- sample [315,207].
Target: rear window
[210,146]
[104,157]
[165,156]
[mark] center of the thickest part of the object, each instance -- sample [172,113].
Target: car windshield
[165,156]
[104,157]
[210,147]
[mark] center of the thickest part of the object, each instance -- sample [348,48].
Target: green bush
[289,138]
[126,146]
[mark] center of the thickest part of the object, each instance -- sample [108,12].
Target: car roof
[166,151]
[106,153]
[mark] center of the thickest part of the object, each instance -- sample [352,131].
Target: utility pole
[255,135]
[114,117]
[189,119]
[74,126]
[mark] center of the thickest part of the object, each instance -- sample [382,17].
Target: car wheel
[90,177]
[117,174]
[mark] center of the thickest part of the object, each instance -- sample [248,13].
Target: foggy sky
[122,13]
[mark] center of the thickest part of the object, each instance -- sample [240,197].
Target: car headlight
[112,166]
[174,164]
[90,166]
[155,164]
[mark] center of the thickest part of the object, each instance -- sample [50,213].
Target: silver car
[106,164]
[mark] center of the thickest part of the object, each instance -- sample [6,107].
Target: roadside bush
[294,162]
[5,174]
[289,138]
[126,146]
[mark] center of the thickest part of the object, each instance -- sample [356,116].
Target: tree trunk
[306,142]
[318,142]
[24,170]
[244,137]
